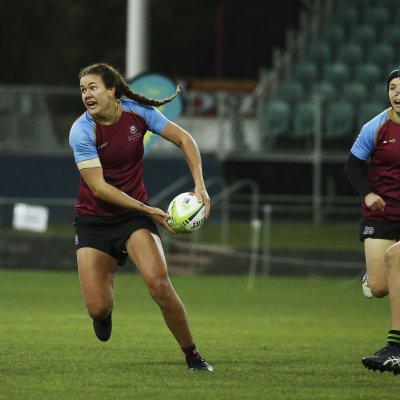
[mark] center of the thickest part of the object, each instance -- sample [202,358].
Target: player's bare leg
[388,358]
[96,275]
[375,250]
[145,250]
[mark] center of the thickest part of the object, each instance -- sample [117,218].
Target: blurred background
[273,92]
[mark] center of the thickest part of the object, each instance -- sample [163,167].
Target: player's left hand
[202,195]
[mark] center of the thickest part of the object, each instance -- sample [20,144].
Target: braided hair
[113,78]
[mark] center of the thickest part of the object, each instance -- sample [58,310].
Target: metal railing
[37,118]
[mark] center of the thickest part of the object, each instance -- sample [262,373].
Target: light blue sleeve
[156,121]
[82,140]
[365,142]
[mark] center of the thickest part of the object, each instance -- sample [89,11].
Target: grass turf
[293,235]
[283,235]
[289,338]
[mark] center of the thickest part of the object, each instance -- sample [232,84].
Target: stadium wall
[56,177]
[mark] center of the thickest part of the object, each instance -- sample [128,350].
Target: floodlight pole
[136,37]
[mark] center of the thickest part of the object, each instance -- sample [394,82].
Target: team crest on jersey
[102,145]
[133,133]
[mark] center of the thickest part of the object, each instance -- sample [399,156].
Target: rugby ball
[186,213]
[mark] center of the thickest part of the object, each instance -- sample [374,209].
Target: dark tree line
[47,41]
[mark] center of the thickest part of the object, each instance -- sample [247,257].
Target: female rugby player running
[377,150]
[113,221]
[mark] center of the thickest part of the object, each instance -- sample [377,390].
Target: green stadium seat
[334,34]
[377,15]
[389,3]
[382,54]
[319,52]
[304,119]
[339,119]
[325,89]
[364,35]
[379,93]
[337,74]
[346,15]
[369,74]
[350,53]
[368,111]
[361,3]
[391,35]
[354,92]
[275,120]
[306,72]
[291,91]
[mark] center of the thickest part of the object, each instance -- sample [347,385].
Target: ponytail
[113,78]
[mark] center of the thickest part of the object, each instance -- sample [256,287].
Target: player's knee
[160,289]
[378,285]
[99,311]
[392,258]
[379,291]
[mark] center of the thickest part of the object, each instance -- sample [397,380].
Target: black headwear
[392,75]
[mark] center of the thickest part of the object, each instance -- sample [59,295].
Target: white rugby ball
[187,214]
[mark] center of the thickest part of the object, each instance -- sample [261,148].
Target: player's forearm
[193,159]
[354,169]
[110,194]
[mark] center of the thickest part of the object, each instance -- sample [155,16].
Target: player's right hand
[374,202]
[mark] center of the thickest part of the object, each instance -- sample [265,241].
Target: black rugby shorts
[109,234]
[379,230]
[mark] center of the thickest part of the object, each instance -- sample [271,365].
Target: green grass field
[284,235]
[289,338]
[293,235]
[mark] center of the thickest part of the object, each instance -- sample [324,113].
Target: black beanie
[392,75]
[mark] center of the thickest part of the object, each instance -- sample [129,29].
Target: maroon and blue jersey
[119,148]
[379,143]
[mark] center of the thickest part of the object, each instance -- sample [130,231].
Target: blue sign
[157,87]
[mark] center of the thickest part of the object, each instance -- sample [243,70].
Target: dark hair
[113,78]
[394,74]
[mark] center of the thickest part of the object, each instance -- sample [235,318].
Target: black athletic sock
[190,352]
[394,338]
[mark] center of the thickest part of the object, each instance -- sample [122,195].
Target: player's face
[394,94]
[97,99]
